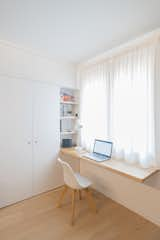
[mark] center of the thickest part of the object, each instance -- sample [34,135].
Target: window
[117,103]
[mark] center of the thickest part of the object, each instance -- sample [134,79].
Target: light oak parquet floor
[39,219]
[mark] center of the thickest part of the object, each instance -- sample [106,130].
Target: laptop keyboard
[96,157]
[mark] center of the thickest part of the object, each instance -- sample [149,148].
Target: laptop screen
[103,148]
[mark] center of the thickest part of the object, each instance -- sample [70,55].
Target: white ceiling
[74,30]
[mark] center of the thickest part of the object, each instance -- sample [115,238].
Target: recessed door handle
[29,142]
[36,141]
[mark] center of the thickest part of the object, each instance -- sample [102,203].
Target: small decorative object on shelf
[69,112]
[65,97]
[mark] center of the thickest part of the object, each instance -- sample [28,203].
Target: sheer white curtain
[132,106]
[117,103]
[157,103]
[94,104]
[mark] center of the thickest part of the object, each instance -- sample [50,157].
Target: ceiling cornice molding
[31,51]
[114,51]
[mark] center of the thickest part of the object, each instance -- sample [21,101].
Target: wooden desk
[121,182]
[119,167]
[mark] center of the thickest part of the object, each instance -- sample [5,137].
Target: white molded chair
[76,183]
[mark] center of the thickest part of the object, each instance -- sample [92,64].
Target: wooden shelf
[67,102]
[68,117]
[68,133]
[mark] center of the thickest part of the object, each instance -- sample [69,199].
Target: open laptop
[102,151]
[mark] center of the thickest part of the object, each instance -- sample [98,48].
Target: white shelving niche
[69,115]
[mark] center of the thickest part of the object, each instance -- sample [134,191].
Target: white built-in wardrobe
[29,139]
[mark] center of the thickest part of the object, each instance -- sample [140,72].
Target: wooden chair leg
[90,199]
[62,196]
[80,194]
[73,206]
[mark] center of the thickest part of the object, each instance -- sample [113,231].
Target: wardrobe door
[46,141]
[15,140]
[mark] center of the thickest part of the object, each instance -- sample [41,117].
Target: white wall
[23,63]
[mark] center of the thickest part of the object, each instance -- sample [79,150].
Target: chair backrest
[69,176]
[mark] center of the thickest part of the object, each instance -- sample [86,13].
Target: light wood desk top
[122,168]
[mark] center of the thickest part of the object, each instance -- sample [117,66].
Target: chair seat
[83,181]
